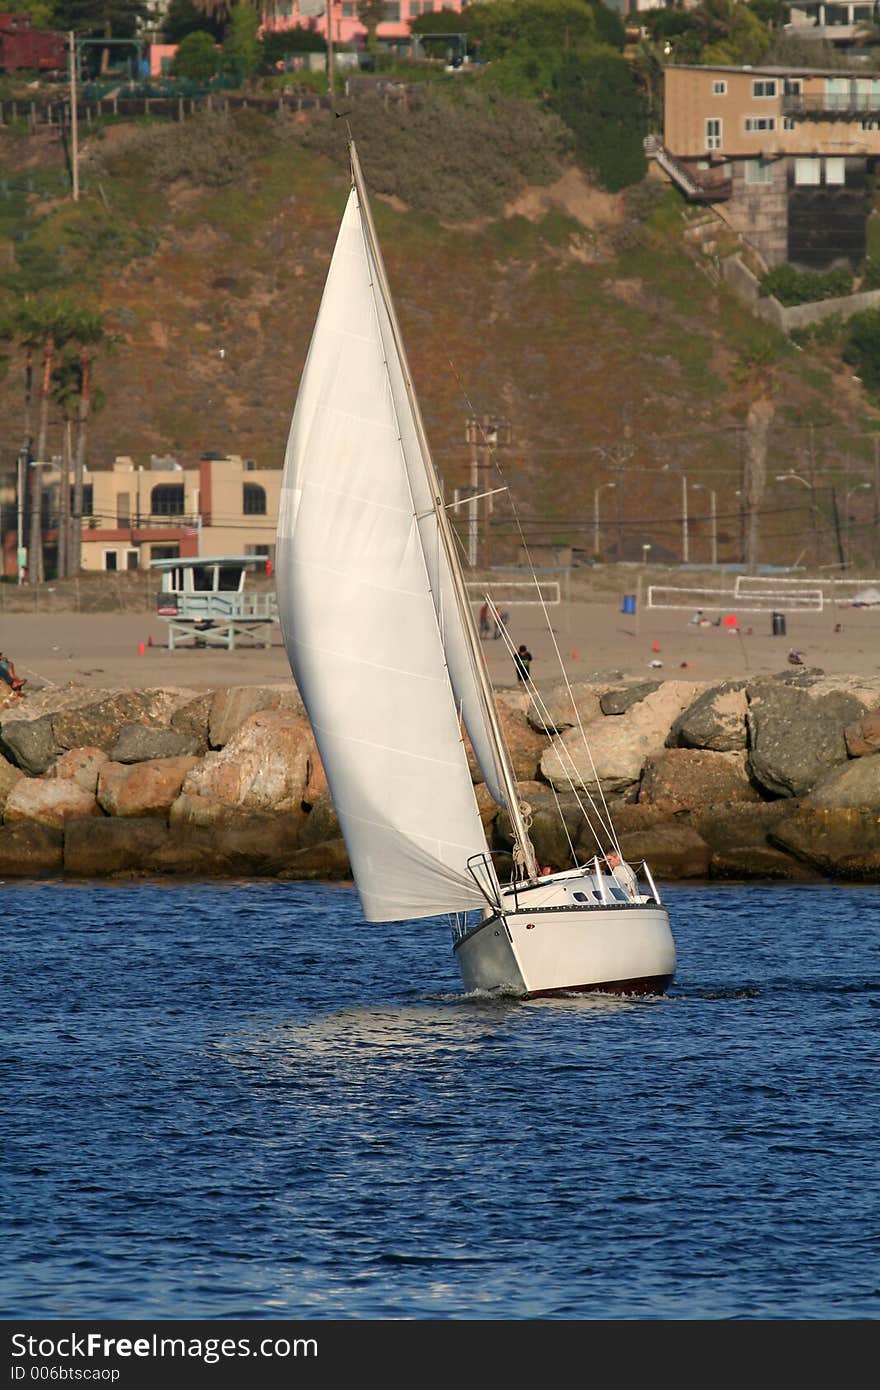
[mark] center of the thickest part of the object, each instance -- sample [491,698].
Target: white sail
[359,621]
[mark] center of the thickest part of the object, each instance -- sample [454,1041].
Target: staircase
[698,186]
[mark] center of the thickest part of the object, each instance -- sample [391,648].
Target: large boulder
[324,862]
[50,801]
[29,849]
[694,777]
[562,706]
[839,842]
[863,736]
[796,733]
[554,826]
[138,743]
[193,717]
[80,765]
[672,851]
[617,746]
[9,775]
[103,849]
[142,789]
[270,764]
[231,706]
[739,838]
[28,743]
[618,701]
[856,783]
[97,724]
[716,720]
[524,744]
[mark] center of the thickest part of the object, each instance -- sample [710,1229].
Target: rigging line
[570,772]
[606,817]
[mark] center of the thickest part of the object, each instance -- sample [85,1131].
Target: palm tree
[43,325]
[87,332]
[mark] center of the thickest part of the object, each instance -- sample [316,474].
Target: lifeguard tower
[205,602]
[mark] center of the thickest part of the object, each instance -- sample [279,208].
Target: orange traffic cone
[141,649]
[656,647]
[575,654]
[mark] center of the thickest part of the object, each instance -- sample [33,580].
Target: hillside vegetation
[583,318]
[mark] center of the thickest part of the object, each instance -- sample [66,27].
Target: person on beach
[622,872]
[522,662]
[484,621]
[7,674]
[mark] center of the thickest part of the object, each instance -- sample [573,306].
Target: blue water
[236,1101]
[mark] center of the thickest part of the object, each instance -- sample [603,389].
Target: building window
[111,559]
[764,87]
[164,552]
[719,89]
[88,506]
[754,124]
[167,500]
[349,9]
[391,11]
[789,123]
[793,86]
[254,500]
[759,171]
[713,133]
[132,559]
[807,171]
[835,170]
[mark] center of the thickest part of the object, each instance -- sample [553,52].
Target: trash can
[629,603]
[778,623]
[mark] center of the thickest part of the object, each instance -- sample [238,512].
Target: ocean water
[238,1101]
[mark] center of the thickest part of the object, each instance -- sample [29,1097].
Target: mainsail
[360,623]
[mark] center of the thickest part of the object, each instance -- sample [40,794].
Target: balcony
[835,106]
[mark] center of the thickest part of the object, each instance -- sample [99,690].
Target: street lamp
[645,548]
[596,492]
[713,518]
[792,477]
[684,514]
[21,554]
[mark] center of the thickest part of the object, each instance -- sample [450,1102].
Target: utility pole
[876,536]
[74,143]
[331,72]
[484,436]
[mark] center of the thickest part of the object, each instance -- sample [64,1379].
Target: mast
[448,541]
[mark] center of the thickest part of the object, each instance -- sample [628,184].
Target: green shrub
[862,348]
[196,57]
[791,286]
[870,274]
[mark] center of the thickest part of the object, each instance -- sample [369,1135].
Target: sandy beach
[104,649]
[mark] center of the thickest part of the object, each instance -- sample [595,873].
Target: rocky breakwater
[773,777]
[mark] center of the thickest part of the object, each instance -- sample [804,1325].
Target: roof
[201,560]
[749,70]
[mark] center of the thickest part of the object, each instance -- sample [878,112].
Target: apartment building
[787,151]
[135,513]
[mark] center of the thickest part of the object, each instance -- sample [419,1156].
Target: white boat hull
[621,948]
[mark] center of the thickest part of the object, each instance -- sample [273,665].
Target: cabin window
[254,500]
[713,133]
[167,500]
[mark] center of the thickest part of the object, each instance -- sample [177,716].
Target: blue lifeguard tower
[206,603]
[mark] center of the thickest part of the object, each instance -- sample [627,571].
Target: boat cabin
[206,601]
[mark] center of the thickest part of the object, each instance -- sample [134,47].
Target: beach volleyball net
[770,598]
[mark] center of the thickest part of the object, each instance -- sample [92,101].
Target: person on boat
[522,662]
[623,873]
[7,674]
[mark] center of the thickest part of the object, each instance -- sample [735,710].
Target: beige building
[788,151]
[135,513]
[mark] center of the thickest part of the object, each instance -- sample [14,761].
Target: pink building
[347,28]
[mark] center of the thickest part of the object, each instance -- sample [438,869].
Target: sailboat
[383,646]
